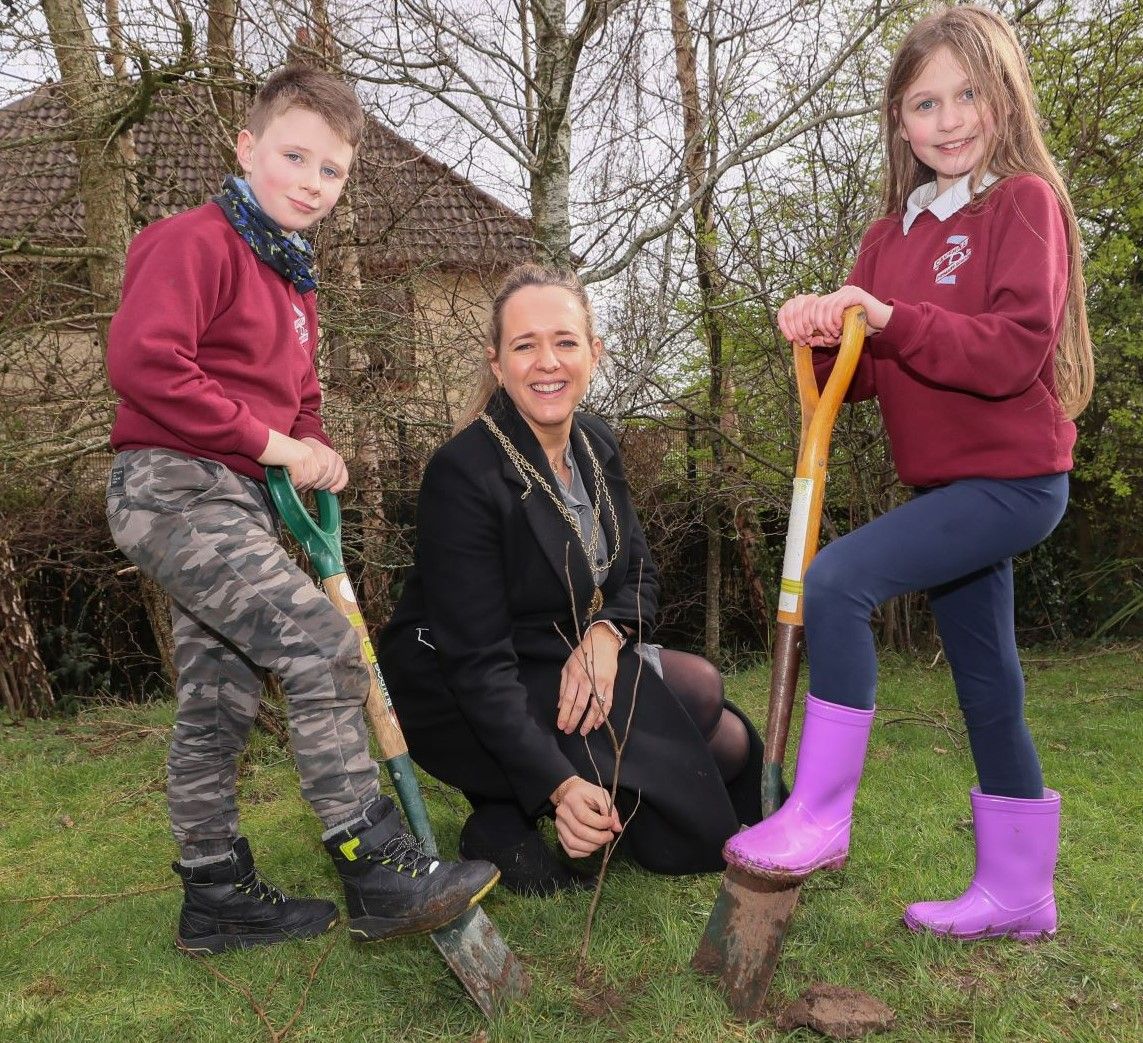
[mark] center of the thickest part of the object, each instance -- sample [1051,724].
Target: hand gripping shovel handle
[819,414]
[471,945]
[322,542]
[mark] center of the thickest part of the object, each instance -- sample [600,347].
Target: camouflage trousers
[240,607]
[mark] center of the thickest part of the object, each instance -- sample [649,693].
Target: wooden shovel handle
[819,413]
[378,706]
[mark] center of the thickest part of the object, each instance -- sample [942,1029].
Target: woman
[531,584]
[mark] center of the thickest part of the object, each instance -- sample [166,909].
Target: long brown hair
[527,274]
[985,46]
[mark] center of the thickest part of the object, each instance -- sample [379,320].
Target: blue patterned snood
[289,255]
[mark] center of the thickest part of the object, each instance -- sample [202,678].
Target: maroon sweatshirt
[964,369]
[210,348]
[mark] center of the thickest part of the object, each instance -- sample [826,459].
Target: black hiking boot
[392,887]
[227,905]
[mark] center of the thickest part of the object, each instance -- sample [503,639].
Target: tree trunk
[102,153]
[712,629]
[117,54]
[220,58]
[376,579]
[700,144]
[25,690]
[158,609]
[551,133]
[340,260]
[548,96]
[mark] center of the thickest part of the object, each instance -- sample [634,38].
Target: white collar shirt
[942,206]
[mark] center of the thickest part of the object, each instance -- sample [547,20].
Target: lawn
[88,904]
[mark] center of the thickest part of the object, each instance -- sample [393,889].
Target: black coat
[473,653]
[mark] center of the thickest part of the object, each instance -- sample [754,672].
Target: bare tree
[24,687]
[221,59]
[510,73]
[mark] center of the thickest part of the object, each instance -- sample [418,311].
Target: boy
[212,356]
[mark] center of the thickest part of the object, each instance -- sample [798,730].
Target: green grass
[82,813]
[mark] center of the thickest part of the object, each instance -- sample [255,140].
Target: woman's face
[545,358]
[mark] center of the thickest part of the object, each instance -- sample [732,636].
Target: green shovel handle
[321,538]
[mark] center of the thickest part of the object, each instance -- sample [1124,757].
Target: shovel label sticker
[346,591]
[791,589]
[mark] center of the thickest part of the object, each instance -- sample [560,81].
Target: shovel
[471,945]
[744,935]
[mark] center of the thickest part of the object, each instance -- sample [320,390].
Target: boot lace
[260,890]
[403,853]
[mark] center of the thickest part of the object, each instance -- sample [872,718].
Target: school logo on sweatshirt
[946,265]
[300,324]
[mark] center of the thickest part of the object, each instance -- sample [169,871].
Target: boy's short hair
[304,87]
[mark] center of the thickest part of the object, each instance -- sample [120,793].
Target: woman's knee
[703,677]
[697,684]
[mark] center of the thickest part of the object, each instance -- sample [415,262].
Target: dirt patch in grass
[103,738]
[45,988]
[595,998]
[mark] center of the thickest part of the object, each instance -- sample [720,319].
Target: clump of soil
[837,1012]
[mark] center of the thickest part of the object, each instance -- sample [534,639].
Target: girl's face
[545,358]
[946,126]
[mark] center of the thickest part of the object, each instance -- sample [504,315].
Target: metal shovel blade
[744,936]
[472,947]
[484,965]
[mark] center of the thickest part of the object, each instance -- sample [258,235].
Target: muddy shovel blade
[484,965]
[743,938]
[744,935]
[472,947]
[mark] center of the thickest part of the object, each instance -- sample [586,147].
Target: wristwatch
[613,628]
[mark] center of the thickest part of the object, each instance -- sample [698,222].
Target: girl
[979,354]
[527,536]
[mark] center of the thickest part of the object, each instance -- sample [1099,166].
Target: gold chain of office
[530,475]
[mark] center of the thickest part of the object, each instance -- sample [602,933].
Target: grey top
[576,497]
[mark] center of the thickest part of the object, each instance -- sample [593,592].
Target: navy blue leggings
[956,542]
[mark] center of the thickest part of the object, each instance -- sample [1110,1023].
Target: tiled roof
[412,210]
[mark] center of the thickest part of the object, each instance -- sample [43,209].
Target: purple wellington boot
[1011,891]
[811,830]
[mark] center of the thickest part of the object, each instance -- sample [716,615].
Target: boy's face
[296,167]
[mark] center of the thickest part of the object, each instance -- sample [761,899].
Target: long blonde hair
[527,274]
[985,46]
